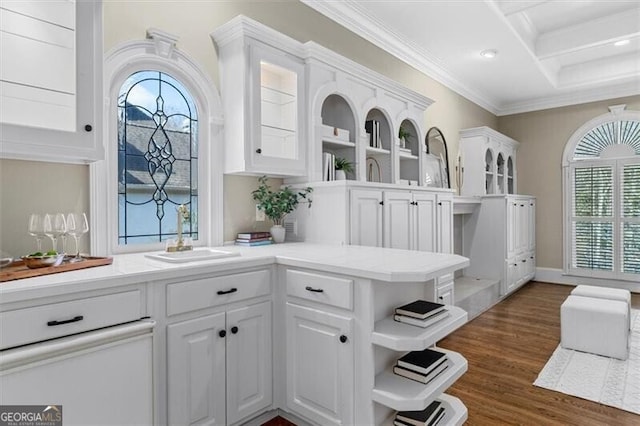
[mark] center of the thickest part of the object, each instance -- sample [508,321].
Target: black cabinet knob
[343,338]
[234,330]
[440,203]
[88,127]
[381,203]
[222,333]
[259,151]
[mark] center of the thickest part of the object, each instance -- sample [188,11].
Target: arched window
[601,167]
[157,158]
[163,148]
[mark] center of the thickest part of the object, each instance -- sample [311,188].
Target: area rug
[605,380]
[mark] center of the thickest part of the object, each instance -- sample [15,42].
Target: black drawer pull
[343,339]
[74,319]
[259,151]
[221,292]
[222,333]
[315,290]
[234,329]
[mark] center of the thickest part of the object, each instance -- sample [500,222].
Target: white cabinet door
[445,295]
[397,216]
[366,218]
[445,223]
[277,101]
[249,371]
[196,371]
[531,235]
[511,276]
[425,222]
[512,225]
[320,370]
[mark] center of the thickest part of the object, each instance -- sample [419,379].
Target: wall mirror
[437,164]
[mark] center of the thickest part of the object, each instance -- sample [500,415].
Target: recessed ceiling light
[489,53]
[621,42]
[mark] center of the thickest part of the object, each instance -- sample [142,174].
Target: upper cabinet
[262,77]
[488,160]
[364,118]
[51,80]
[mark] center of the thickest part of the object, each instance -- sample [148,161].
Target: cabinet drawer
[445,294]
[444,280]
[29,325]
[320,288]
[199,294]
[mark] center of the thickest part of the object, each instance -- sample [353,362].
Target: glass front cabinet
[488,160]
[263,99]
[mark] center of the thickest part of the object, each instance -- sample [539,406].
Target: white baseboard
[556,276]
[268,415]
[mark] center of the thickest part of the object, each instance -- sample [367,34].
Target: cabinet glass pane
[278,111]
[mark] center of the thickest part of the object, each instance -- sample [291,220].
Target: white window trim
[616,113]
[157,53]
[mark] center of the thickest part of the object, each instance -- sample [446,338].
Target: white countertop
[390,265]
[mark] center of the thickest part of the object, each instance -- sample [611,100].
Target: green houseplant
[277,204]
[404,136]
[342,166]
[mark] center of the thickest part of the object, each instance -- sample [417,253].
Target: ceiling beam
[510,7]
[588,34]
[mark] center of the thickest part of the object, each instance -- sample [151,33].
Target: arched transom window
[602,197]
[157,158]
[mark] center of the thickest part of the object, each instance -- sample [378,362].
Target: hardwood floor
[506,348]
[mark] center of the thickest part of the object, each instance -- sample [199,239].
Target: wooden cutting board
[18,270]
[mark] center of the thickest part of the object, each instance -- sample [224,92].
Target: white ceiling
[550,53]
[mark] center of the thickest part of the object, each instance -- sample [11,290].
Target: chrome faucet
[183,214]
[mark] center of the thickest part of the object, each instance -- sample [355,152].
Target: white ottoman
[605,293]
[597,326]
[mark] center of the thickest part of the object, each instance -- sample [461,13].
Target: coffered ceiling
[549,52]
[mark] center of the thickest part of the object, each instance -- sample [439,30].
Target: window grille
[157,158]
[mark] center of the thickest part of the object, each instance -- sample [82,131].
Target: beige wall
[543,136]
[193,21]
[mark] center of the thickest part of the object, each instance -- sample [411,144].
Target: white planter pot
[341,175]
[278,233]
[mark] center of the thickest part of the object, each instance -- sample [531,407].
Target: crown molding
[354,17]
[241,26]
[571,98]
[488,132]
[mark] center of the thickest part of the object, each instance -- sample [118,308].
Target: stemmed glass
[55,226]
[36,229]
[77,226]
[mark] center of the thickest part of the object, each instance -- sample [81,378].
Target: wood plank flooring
[506,348]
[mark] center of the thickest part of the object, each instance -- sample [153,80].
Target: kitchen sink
[191,255]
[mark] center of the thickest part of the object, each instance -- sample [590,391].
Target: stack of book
[422,366]
[328,166]
[430,416]
[250,239]
[421,313]
[372,127]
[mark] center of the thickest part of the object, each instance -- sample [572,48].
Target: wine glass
[54,226]
[36,229]
[77,226]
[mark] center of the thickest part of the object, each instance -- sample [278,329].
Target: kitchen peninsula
[295,328]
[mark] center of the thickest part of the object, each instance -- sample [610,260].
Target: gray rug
[605,380]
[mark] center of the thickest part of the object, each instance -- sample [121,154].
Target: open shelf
[402,394]
[336,143]
[455,412]
[406,155]
[404,337]
[372,150]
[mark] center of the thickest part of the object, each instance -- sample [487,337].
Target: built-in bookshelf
[338,132]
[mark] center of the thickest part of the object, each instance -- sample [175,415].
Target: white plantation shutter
[592,218]
[630,216]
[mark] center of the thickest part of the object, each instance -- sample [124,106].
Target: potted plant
[342,166]
[277,204]
[404,136]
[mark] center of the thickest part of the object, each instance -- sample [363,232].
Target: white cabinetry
[51,80]
[488,161]
[219,362]
[263,95]
[320,352]
[502,241]
[347,212]
[217,358]
[320,372]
